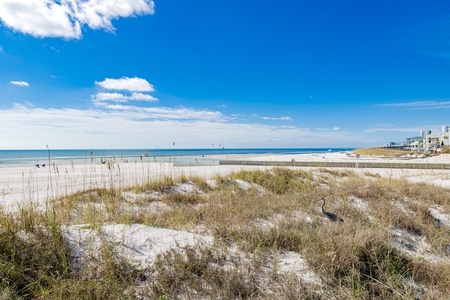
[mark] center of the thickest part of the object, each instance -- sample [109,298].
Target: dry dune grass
[381,152]
[390,245]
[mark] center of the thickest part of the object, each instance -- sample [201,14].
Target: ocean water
[177,156]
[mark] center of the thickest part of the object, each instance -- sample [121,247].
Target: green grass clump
[182,199]
[278,180]
[156,185]
[32,261]
[191,271]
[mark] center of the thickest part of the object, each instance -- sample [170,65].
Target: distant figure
[37,165]
[43,165]
[329,215]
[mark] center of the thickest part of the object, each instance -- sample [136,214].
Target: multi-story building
[428,141]
[425,132]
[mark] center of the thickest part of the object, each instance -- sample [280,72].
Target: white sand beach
[22,184]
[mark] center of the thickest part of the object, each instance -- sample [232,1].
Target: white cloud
[20,83]
[401,129]
[39,18]
[336,128]
[432,104]
[142,97]
[283,118]
[134,127]
[163,113]
[126,84]
[115,97]
[118,97]
[65,18]
[134,85]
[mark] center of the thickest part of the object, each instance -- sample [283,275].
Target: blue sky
[145,74]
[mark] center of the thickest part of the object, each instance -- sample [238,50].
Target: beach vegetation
[256,234]
[382,151]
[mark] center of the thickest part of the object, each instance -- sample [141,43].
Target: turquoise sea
[177,156]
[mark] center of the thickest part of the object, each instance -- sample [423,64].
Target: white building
[425,132]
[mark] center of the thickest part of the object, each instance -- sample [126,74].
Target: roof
[436,135]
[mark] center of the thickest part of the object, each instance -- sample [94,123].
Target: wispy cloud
[432,104]
[414,129]
[131,126]
[283,118]
[118,97]
[65,18]
[1,49]
[20,83]
[163,113]
[327,129]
